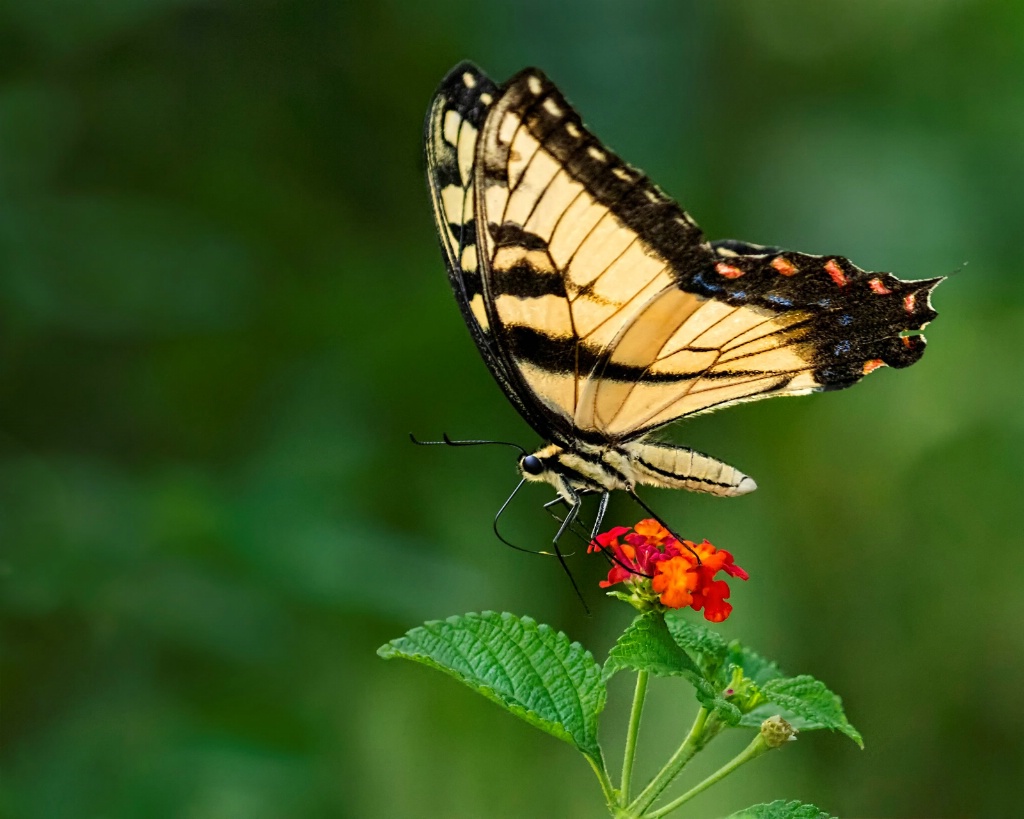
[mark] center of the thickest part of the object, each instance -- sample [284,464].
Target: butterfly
[603,312]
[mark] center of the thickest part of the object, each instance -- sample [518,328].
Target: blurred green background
[223,308]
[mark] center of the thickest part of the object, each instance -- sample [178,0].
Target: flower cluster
[656,566]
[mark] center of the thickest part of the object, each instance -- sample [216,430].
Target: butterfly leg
[577,527]
[578,530]
[653,514]
[602,508]
[609,556]
[572,498]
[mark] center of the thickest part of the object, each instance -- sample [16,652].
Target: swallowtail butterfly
[603,312]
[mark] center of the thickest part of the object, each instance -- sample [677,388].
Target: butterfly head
[531,465]
[540,465]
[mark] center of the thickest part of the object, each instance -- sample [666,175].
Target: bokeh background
[223,309]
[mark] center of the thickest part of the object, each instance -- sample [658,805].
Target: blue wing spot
[779,300]
[842,347]
[846,319]
[700,281]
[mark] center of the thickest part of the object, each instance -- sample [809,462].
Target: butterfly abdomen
[677,467]
[607,468]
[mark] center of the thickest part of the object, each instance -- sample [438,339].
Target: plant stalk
[694,741]
[757,747]
[639,695]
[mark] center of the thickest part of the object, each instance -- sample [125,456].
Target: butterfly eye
[532,464]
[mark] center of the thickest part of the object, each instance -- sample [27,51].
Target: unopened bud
[776,732]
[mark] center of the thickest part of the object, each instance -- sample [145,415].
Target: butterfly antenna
[655,515]
[446,441]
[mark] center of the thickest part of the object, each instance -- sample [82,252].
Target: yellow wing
[575,244]
[611,312]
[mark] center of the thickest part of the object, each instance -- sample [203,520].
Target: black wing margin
[454,120]
[857,320]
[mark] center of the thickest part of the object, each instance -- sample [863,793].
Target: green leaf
[780,809]
[807,703]
[755,667]
[648,645]
[707,648]
[531,670]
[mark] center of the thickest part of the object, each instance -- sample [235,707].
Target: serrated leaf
[531,670]
[755,667]
[707,648]
[807,704]
[647,645]
[781,809]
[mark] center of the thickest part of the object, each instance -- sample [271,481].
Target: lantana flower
[661,570]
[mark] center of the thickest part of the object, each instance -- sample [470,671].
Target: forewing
[760,323]
[573,244]
[454,121]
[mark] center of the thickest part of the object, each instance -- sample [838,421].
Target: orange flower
[674,580]
[661,570]
[715,560]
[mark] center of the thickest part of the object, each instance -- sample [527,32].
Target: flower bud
[776,732]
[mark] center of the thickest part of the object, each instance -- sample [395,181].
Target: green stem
[634,729]
[606,782]
[757,747]
[694,741]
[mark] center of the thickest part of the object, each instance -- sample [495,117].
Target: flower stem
[694,741]
[757,747]
[634,729]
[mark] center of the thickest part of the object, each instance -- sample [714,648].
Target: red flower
[659,567]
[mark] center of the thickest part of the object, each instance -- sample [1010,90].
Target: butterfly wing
[613,315]
[757,325]
[576,243]
[454,121]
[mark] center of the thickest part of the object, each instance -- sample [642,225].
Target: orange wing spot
[879,288]
[836,272]
[909,302]
[908,341]
[728,270]
[872,365]
[783,266]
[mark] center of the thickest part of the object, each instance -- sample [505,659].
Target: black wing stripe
[630,195]
[470,103]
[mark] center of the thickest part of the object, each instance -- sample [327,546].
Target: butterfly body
[605,315]
[610,467]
